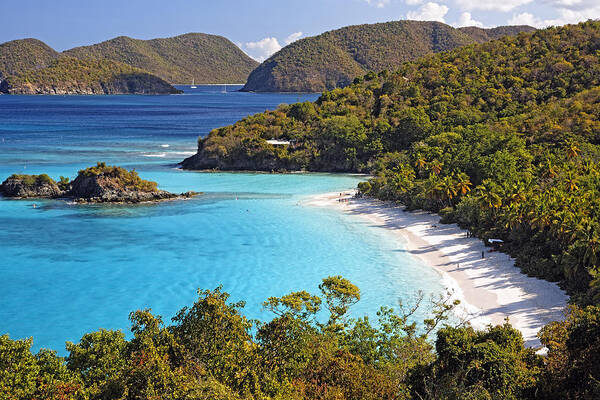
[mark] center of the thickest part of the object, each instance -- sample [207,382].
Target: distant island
[121,66]
[333,59]
[99,184]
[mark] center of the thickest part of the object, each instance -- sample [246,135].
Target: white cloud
[413,2]
[262,49]
[378,3]
[293,37]
[466,19]
[525,19]
[565,16]
[493,5]
[429,12]
[575,5]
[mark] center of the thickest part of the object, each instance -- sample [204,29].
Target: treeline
[501,137]
[212,351]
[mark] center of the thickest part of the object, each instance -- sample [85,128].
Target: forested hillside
[482,35]
[20,55]
[204,58]
[68,75]
[333,59]
[502,137]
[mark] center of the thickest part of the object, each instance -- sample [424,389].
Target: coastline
[491,289]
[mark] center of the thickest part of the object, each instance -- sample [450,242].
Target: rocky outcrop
[124,84]
[30,186]
[105,189]
[3,84]
[100,184]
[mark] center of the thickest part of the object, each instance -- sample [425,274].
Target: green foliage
[123,178]
[25,54]
[213,352]
[64,183]
[339,295]
[33,180]
[491,364]
[24,375]
[334,59]
[299,305]
[99,358]
[573,362]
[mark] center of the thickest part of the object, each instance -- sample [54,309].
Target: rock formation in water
[99,184]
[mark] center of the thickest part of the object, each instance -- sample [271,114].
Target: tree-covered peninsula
[310,350]
[333,59]
[501,137]
[68,75]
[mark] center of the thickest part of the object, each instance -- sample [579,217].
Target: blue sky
[261,27]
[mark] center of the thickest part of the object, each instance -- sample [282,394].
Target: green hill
[333,59]
[20,55]
[501,137]
[481,35]
[68,75]
[204,58]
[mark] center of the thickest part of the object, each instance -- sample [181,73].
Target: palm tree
[436,167]
[549,170]
[571,182]
[488,196]
[420,162]
[573,149]
[463,183]
[448,187]
[432,187]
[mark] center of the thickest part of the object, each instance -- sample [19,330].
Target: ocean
[70,269]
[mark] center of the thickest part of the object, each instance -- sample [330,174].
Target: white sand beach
[490,288]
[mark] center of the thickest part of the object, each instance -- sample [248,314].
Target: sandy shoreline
[490,289]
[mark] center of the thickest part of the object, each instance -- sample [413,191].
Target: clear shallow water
[66,270]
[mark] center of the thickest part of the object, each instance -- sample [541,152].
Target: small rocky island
[99,184]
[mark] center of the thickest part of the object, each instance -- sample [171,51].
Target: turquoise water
[66,269]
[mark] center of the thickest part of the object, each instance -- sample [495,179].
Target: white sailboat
[193,86]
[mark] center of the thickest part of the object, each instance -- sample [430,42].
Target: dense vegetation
[33,180]
[128,180]
[204,58]
[212,351]
[68,75]
[333,59]
[20,55]
[501,137]
[482,35]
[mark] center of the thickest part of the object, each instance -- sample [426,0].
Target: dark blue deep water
[67,269]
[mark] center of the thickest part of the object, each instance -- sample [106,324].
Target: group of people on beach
[343,199]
